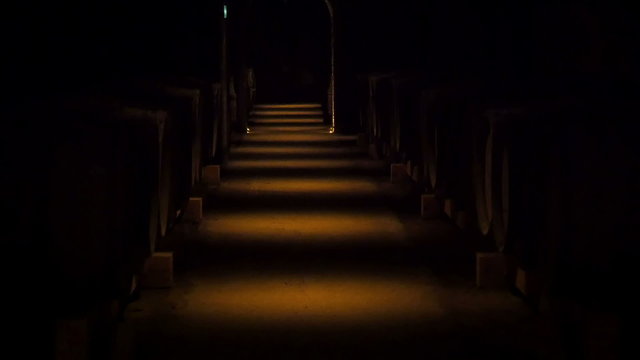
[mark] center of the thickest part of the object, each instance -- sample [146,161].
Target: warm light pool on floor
[302,227]
[313,300]
[302,186]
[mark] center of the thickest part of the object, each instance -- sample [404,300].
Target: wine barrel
[177,156]
[482,173]
[103,175]
[193,96]
[148,142]
[498,167]
[430,138]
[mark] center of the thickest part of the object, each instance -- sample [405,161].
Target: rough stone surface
[193,212]
[430,206]
[338,264]
[398,173]
[491,270]
[211,175]
[158,271]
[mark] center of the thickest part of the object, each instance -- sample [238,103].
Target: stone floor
[306,251]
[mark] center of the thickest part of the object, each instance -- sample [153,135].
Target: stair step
[300,139]
[287,113]
[354,193]
[306,167]
[306,164]
[289,129]
[294,152]
[345,227]
[287,106]
[287,121]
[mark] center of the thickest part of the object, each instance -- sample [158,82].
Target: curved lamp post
[332,81]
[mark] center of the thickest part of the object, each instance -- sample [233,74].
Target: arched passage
[298,36]
[307,252]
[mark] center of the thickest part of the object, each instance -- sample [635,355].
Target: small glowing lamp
[226,13]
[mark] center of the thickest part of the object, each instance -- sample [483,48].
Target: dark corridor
[319,179]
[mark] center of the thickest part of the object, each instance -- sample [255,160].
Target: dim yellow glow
[306,164]
[314,300]
[299,128]
[308,227]
[287,150]
[332,187]
[292,113]
[288,120]
[332,130]
[288,106]
[300,137]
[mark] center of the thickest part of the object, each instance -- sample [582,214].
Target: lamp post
[332,81]
[224,83]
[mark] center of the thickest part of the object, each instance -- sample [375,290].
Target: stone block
[491,270]
[158,271]
[72,339]
[462,220]
[398,173]
[450,208]
[527,282]
[416,174]
[193,212]
[211,175]
[362,140]
[373,152]
[431,207]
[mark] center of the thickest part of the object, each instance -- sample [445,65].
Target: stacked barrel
[105,177]
[505,165]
